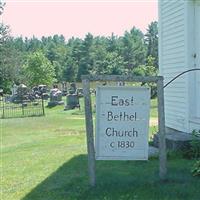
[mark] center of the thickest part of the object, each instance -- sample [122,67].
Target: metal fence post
[3,115]
[43,106]
[22,109]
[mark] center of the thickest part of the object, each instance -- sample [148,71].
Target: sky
[77,17]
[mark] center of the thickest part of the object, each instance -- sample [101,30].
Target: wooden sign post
[112,145]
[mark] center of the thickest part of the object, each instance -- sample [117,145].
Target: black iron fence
[9,109]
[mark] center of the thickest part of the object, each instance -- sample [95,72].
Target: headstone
[55,97]
[14,89]
[40,91]
[72,101]
[73,88]
[64,88]
[20,94]
[80,92]
[1,92]
[120,83]
[22,90]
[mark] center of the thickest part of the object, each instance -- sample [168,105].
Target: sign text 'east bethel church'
[122,123]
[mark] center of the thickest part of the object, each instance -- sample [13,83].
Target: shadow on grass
[124,180]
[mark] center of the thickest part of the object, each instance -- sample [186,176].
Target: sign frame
[86,79]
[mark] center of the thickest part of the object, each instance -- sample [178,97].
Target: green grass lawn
[154,111]
[44,158]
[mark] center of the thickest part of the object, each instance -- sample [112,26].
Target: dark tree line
[53,59]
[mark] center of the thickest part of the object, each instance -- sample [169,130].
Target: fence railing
[23,109]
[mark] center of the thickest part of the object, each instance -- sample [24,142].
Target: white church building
[179,50]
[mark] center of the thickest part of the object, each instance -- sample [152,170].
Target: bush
[147,70]
[196,168]
[195,144]
[193,151]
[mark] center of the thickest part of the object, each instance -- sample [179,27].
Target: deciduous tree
[39,70]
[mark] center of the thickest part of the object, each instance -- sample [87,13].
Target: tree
[19,44]
[76,57]
[4,33]
[113,44]
[58,71]
[10,60]
[56,52]
[114,64]
[72,59]
[151,39]
[148,70]
[86,61]
[98,54]
[133,50]
[38,70]
[70,70]
[1,7]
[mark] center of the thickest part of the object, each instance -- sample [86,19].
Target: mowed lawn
[44,158]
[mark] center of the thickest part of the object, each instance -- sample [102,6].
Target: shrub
[147,70]
[196,168]
[193,150]
[195,144]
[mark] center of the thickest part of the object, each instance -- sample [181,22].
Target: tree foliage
[151,39]
[38,70]
[10,60]
[134,50]
[52,58]
[1,7]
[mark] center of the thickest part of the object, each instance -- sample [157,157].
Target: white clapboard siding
[172,54]
[194,48]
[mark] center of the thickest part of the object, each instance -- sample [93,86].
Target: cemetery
[104,117]
[25,102]
[22,103]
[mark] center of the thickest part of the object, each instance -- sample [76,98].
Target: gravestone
[40,91]
[20,94]
[72,100]
[73,88]
[1,92]
[55,97]
[64,89]
[80,92]
[14,89]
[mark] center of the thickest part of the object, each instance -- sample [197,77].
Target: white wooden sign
[122,123]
